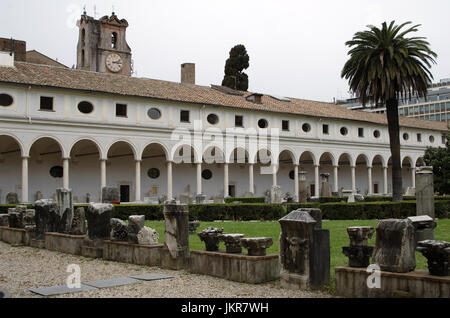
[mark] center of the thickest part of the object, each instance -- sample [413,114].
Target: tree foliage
[384,66]
[439,158]
[238,61]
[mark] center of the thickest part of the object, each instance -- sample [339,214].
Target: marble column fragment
[438,256]
[232,242]
[359,252]
[176,237]
[257,246]
[210,237]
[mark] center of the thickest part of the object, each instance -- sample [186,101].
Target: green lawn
[338,236]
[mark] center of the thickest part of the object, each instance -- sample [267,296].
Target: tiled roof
[58,77]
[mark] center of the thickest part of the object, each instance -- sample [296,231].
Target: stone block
[47,217]
[12,198]
[4,220]
[146,255]
[79,222]
[98,216]
[17,237]
[110,195]
[64,243]
[395,246]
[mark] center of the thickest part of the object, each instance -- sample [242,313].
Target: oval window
[207,174]
[85,107]
[262,123]
[6,100]
[431,139]
[56,172]
[405,136]
[376,134]
[153,173]
[154,113]
[213,119]
[344,131]
[306,128]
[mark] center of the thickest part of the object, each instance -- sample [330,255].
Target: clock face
[114,62]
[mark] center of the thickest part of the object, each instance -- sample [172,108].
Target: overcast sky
[296,48]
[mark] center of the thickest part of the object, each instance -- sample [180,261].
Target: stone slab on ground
[149,277]
[114,282]
[59,290]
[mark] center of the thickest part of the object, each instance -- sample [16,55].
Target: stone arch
[408,158]
[213,154]
[349,157]
[420,162]
[185,153]
[159,144]
[364,157]
[89,139]
[239,155]
[264,156]
[285,154]
[14,138]
[378,159]
[306,153]
[64,153]
[331,158]
[123,141]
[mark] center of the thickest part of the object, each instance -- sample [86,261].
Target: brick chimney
[188,73]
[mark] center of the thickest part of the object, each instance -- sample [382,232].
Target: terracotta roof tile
[58,77]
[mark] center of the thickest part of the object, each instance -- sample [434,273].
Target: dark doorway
[312,190]
[375,188]
[232,191]
[124,193]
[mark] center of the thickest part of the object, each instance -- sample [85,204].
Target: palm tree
[385,66]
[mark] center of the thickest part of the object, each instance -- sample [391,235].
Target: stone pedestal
[146,255]
[236,267]
[275,194]
[302,187]
[64,243]
[65,207]
[395,246]
[176,245]
[325,190]
[304,252]
[425,191]
[359,252]
[232,242]
[210,237]
[257,246]
[438,256]
[17,237]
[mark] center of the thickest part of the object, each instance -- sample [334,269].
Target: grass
[338,236]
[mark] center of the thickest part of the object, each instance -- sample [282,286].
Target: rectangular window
[238,121]
[427,109]
[184,116]
[121,110]
[325,129]
[46,103]
[285,125]
[419,137]
[361,132]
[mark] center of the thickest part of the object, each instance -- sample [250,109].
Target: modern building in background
[435,107]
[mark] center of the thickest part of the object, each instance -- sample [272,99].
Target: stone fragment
[302,187]
[12,198]
[424,226]
[355,197]
[210,237]
[29,217]
[325,190]
[257,246]
[193,227]
[276,195]
[395,246]
[110,195]
[4,220]
[47,217]
[65,207]
[232,242]
[79,222]
[147,236]
[119,230]
[135,224]
[200,198]
[438,256]
[359,252]
[425,191]
[98,217]
[15,220]
[304,251]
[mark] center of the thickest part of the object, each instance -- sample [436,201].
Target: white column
[296,198]
[138,181]
[251,187]
[169,181]
[413,177]
[226,194]
[25,179]
[335,179]
[369,177]
[199,178]
[66,173]
[317,180]
[274,175]
[353,168]
[385,180]
[102,173]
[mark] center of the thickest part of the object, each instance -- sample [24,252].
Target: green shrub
[238,212]
[330,199]
[245,200]
[151,212]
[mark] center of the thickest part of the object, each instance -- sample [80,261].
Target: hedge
[246,200]
[237,212]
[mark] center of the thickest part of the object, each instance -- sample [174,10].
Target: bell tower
[102,45]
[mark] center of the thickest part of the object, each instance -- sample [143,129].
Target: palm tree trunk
[394,141]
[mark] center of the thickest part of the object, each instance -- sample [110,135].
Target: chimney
[188,73]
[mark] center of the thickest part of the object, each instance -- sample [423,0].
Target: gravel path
[22,268]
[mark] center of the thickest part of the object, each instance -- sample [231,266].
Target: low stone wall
[352,283]
[236,267]
[16,237]
[64,243]
[148,255]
